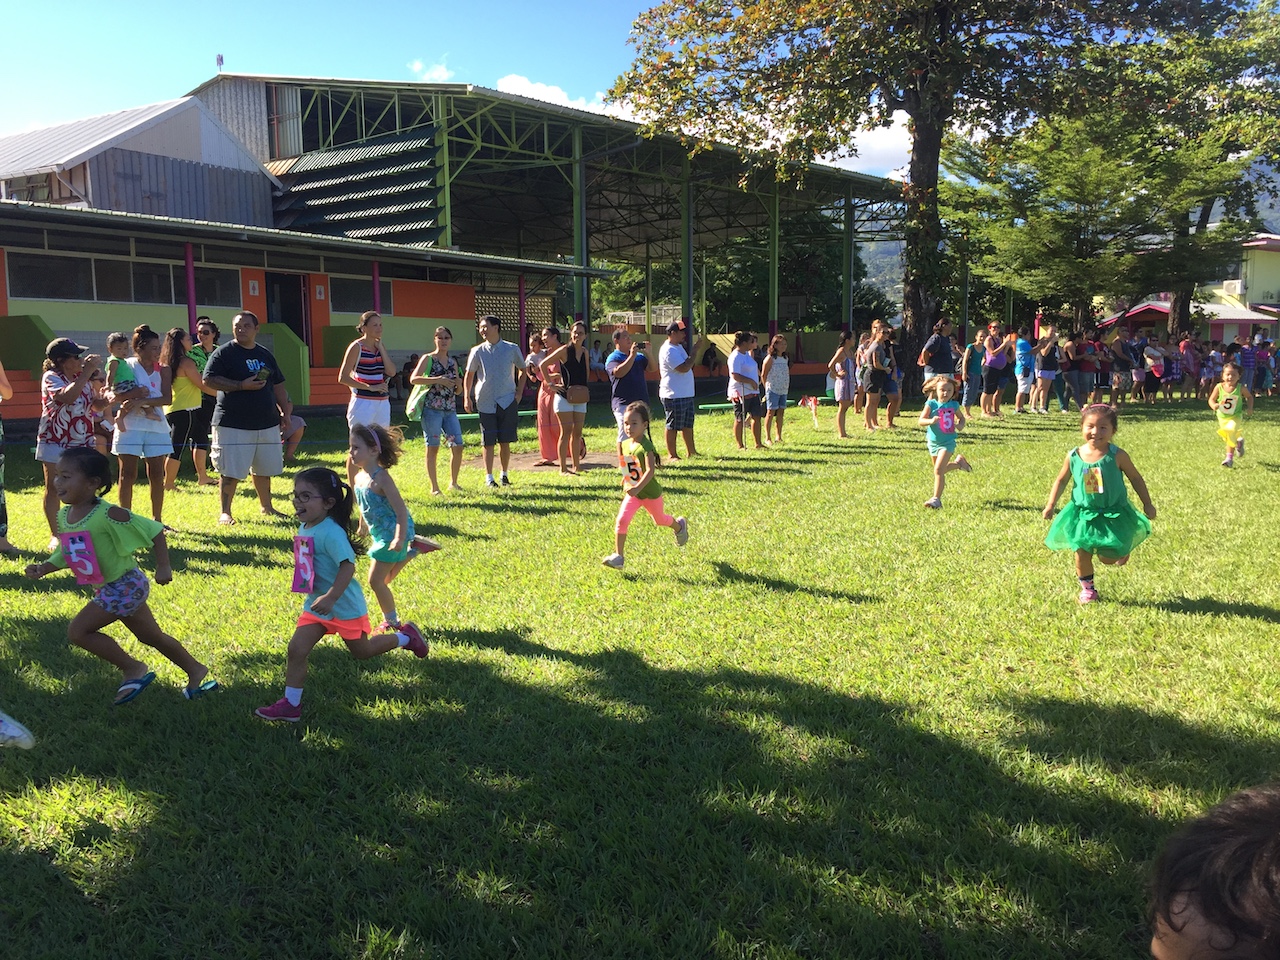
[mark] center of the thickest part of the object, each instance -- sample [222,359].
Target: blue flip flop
[130,689]
[195,693]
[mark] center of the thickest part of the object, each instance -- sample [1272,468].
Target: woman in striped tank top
[366,368]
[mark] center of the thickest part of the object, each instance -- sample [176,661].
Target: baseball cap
[63,347]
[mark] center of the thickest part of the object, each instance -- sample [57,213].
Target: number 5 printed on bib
[77,549]
[304,564]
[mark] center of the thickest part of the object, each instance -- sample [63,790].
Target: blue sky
[76,59]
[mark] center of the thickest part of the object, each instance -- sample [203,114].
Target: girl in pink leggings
[639,486]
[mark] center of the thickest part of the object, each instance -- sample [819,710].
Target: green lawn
[836,724]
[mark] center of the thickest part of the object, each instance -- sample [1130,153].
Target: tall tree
[802,77]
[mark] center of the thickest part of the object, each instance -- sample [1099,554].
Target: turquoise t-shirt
[942,434]
[329,548]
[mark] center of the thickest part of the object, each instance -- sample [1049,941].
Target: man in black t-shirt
[252,410]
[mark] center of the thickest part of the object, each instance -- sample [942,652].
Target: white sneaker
[933,503]
[614,561]
[14,734]
[682,531]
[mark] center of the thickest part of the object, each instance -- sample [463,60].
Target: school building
[311,200]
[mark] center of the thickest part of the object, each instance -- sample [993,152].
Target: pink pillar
[189,256]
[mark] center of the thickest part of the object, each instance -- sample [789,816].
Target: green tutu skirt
[1109,533]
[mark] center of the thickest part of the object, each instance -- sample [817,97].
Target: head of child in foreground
[318,492]
[1098,422]
[82,474]
[635,419]
[371,445]
[1215,888]
[941,389]
[1230,375]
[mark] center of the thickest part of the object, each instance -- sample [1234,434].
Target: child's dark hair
[642,408]
[1225,865]
[117,337]
[1231,364]
[386,442]
[91,465]
[332,487]
[1101,409]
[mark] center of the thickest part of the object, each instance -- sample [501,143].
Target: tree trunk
[1180,311]
[925,270]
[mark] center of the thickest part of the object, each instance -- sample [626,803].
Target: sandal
[130,689]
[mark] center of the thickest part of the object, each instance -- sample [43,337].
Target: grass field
[835,724]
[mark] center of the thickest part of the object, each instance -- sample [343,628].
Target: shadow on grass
[508,797]
[1212,605]
[1013,505]
[731,574]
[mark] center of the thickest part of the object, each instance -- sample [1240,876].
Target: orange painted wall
[434,301]
[319,306]
[255,304]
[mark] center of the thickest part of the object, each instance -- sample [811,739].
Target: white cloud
[430,72]
[883,152]
[524,87]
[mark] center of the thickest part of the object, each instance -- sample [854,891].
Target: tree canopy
[802,79]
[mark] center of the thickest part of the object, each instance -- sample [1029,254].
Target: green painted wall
[108,317]
[1262,273]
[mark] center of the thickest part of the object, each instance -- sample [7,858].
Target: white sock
[293,695]
[488,476]
[504,475]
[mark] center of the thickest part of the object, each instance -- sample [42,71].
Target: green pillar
[581,292]
[686,241]
[439,107]
[846,267]
[774,229]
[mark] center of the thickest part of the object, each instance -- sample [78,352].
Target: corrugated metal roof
[279,168]
[52,214]
[307,184]
[404,186]
[52,148]
[322,159]
[1219,311]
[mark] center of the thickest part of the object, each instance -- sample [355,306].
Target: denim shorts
[774,401]
[437,422]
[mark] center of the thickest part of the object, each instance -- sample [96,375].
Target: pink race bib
[946,420]
[304,564]
[77,550]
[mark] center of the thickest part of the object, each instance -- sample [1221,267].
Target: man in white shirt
[676,387]
[495,368]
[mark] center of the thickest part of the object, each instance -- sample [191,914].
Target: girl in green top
[639,487]
[1099,519]
[1228,400]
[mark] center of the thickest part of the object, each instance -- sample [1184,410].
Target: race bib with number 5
[946,420]
[304,564]
[77,549]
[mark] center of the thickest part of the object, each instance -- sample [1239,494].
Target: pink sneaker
[417,643]
[282,709]
[1088,594]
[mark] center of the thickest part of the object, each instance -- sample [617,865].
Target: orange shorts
[354,629]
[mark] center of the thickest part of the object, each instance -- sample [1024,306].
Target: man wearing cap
[675,389]
[625,366]
[252,410]
[496,369]
[66,401]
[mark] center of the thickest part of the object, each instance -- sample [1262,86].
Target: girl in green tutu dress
[1099,519]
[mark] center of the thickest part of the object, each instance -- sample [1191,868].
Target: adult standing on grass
[676,387]
[439,373]
[367,369]
[971,372]
[207,334]
[842,369]
[1122,360]
[626,366]
[66,402]
[995,358]
[253,411]
[548,426]
[495,371]
[936,357]
[569,395]
[7,549]
[744,388]
[185,416]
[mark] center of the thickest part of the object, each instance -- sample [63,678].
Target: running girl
[944,419]
[640,488]
[1226,400]
[97,540]
[375,450]
[1099,519]
[324,569]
